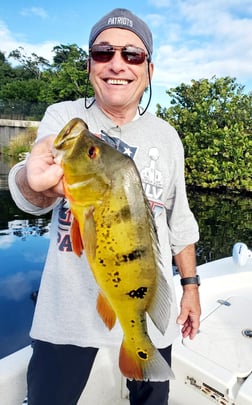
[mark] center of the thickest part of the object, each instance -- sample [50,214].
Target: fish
[114,226]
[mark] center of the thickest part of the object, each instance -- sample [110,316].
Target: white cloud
[204,39]
[10,41]
[34,11]
[6,239]
[19,285]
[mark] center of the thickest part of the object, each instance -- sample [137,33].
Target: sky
[193,39]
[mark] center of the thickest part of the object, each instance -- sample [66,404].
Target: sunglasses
[105,52]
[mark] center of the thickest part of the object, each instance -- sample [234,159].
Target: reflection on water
[24,240]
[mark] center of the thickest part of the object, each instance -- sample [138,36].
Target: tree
[67,77]
[214,119]
[7,73]
[35,81]
[33,64]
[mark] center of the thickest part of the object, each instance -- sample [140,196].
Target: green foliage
[67,77]
[26,90]
[21,144]
[34,80]
[214,120]
[223,220]
[33,64]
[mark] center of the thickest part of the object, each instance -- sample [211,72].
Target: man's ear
[88,65]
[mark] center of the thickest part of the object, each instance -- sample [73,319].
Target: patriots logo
[118,144]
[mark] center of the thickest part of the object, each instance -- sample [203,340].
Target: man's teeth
[117,81]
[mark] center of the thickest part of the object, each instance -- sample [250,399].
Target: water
[24,241]
[23,246]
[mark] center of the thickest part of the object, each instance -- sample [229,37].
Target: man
[66,328]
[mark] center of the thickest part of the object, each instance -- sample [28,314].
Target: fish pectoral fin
[105,311]
[89,232]
[76,240]
[159,307]
[143,365]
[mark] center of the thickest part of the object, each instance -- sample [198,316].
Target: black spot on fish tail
[143,355]
[139,293]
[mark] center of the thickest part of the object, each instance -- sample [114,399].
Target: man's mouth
[117,81]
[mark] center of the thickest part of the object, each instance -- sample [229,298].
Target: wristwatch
[190,280]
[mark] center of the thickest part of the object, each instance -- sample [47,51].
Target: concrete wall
[11,128]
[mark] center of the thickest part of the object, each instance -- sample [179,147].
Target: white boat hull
[216,367]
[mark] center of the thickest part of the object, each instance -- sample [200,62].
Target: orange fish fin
[89,232]
[144,365]
[159,307]
[129,364]
[76,240]
[105,311]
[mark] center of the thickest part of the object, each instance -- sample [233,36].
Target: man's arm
[190,310]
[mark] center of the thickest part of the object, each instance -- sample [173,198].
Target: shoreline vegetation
[20,145]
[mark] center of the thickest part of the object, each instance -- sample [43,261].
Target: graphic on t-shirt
[152,180]
[65,219]
[118,144]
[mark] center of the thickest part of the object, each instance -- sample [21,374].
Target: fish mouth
[66,137]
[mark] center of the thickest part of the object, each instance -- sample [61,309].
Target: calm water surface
[24,241]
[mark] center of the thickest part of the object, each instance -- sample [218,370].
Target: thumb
[181,319]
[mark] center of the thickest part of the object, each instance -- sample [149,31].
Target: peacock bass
[113,224]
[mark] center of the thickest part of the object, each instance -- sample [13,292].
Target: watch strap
[190,280]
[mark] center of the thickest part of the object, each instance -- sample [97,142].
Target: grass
[21,144]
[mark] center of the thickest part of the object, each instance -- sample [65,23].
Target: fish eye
[92,152]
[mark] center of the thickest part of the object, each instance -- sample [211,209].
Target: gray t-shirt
[66,307]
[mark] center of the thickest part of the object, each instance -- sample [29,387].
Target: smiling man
[67,330]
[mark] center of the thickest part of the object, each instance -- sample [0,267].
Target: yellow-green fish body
[114,225]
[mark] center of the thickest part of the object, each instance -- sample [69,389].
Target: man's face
[118,84]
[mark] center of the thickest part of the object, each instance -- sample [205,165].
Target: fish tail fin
[105,311]
[144,365]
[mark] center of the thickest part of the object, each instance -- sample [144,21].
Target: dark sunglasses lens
[130,54]
[133,56]
[101,53]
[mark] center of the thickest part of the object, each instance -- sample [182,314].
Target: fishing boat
[214,368]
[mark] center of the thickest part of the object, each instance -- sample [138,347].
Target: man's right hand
[43,174]
[40,179]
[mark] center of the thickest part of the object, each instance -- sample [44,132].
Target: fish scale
[114,226]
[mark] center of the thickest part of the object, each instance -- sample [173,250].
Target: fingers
[43,174]
[190,326]
[189,316]
[43,180]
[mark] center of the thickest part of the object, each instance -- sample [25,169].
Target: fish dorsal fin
[159,308]
[105,311]
[89,232]
[76,240]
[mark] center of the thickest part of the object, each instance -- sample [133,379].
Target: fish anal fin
[76,240]
[159,307]
[105,311]
[89,233]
